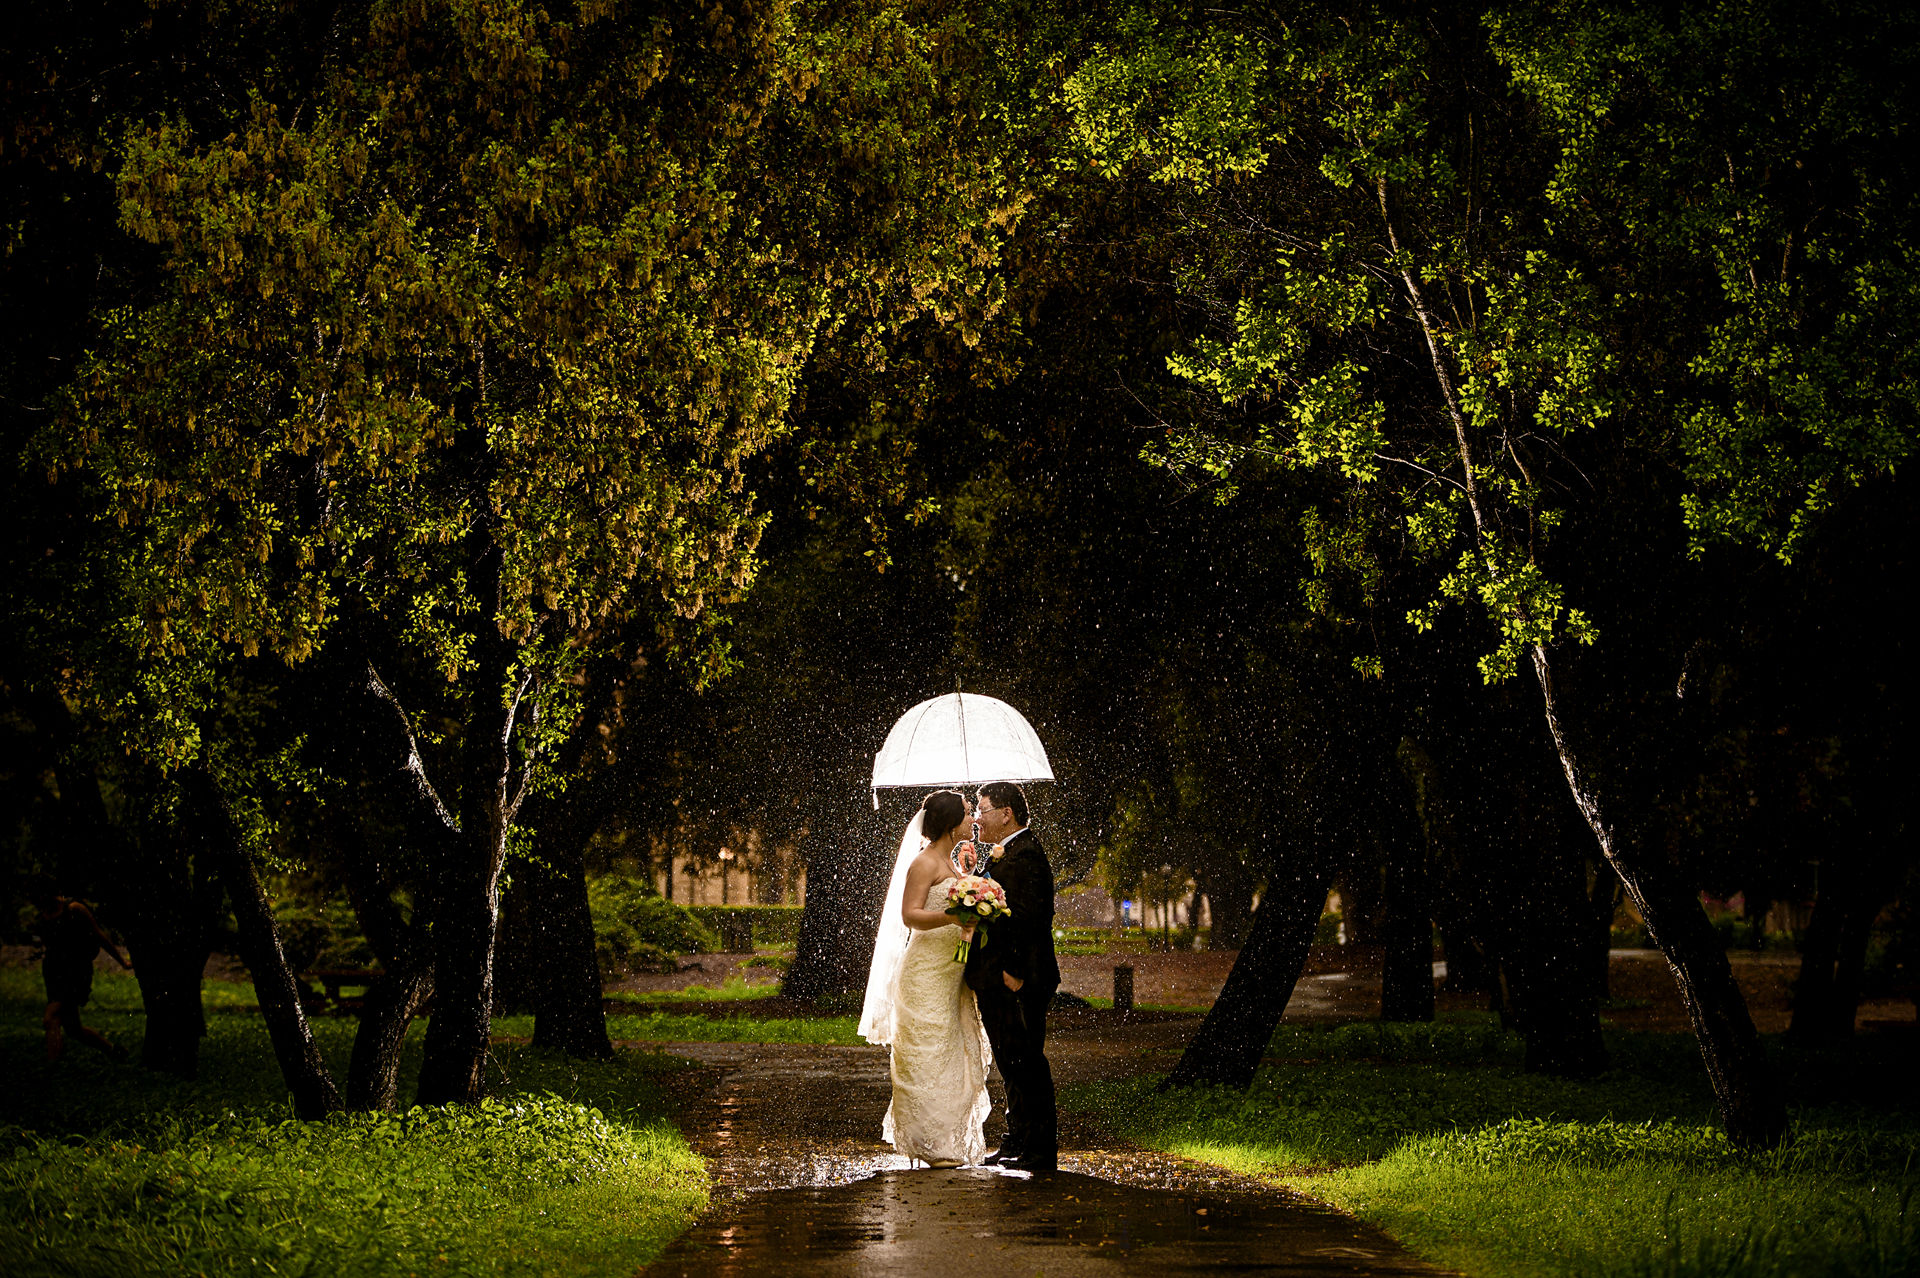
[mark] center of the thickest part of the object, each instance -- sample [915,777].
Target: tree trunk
[314,1093]
[844,887]
[1549,990]
[1750,1104]
[405,950]
[1826,997]
[467,896]
[169,962]
[1406,979]
[559,974]
[165,903]
[1813,995]
[373,1075]
[1230,1042]
[1604,902]
[1229,890]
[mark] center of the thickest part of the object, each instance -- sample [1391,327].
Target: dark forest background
[452,448]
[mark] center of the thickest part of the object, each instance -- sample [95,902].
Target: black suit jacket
[1021,944]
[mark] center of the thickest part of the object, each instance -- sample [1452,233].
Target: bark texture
[405,949]
[1230,1042]
[1751,1107]
[314,1093]
[373,1073]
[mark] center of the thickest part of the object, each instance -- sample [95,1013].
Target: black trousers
[1016,1026]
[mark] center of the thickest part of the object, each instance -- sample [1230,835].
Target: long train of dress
[940,1053]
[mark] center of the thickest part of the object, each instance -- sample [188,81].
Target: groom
[1014,973]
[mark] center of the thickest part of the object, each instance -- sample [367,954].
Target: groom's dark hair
[1005,794]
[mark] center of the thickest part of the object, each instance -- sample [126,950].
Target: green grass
[1434,1133]
[734,989]
[109,1169]
[681,1027]
[1191,1009]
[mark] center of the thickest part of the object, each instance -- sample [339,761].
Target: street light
[726,855]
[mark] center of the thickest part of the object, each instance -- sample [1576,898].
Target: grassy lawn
[686,1027]
[1435,1133]
[734,989]
[108,1169]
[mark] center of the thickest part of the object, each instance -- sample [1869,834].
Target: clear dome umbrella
[959,739]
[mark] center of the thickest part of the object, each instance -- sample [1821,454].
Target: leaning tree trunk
[314,1094]
[1751,1107]
[1750,1104]
[1230,1042]
[373,1074]
[402,990]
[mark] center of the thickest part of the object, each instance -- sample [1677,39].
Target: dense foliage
[1453,455]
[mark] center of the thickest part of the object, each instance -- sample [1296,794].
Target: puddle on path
[975,1222]
[804,1186]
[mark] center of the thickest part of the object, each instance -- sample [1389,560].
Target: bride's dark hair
[944,811]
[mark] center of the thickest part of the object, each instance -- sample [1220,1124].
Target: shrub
[317,935]
[637,929]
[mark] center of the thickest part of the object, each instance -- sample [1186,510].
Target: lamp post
[726,855]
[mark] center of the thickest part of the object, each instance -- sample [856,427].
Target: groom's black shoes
[1001,1156]
[1032,1163]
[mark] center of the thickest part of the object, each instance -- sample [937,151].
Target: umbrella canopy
[960,739]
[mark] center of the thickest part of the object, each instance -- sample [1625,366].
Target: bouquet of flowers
[975,901]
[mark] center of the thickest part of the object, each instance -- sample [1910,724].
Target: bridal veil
[879,1014]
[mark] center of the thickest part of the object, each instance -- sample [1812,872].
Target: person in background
[69,937]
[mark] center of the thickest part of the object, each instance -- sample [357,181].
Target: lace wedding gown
[940,1053]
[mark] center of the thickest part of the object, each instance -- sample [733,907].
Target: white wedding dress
[940,1053]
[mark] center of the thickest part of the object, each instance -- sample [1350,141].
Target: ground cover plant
[569,1167]
[1434,1132]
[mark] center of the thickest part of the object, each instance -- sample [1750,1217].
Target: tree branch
[414,763]
[1440,371]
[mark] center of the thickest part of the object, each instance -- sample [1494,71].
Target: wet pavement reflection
[803,1185]
[975,1221]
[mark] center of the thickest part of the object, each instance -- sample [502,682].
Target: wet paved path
[803,1186]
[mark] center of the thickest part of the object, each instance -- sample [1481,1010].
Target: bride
[919,1004]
